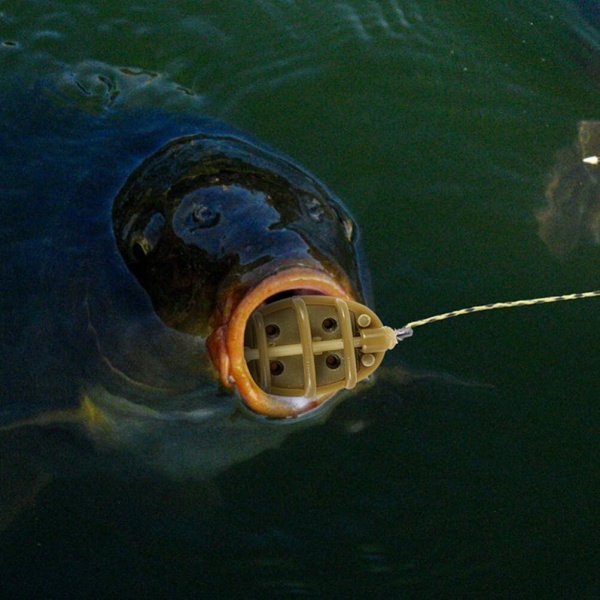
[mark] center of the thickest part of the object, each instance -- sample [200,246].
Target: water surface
[437,124]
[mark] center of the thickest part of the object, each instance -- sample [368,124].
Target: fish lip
[226,343]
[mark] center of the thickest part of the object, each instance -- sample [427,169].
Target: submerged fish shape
[135,246]
[571,218]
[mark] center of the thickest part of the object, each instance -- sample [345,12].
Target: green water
[437,123]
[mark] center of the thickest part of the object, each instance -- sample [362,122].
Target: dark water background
[437,123]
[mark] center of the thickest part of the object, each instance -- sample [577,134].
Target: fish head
[215,226]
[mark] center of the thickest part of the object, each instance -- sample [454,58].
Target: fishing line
[312,346]
[407,330]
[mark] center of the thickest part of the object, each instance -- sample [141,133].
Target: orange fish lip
[226,343]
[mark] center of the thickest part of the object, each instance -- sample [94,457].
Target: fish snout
[226,344]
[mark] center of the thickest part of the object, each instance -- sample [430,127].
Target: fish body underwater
[571,217]
[130,238]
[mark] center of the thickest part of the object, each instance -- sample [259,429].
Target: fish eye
[204,216]
[199,209]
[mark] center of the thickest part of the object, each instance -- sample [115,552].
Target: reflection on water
[437,123]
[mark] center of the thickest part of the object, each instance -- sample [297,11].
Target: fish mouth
[226,344]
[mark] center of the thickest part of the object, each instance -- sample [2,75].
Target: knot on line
[403,333]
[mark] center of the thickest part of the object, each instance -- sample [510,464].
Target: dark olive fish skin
[208,214]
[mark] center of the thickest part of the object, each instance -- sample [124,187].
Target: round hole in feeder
[333,361]
[329,324]
[272,331]
[276,367]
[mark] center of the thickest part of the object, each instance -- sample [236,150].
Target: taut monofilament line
[406,331]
